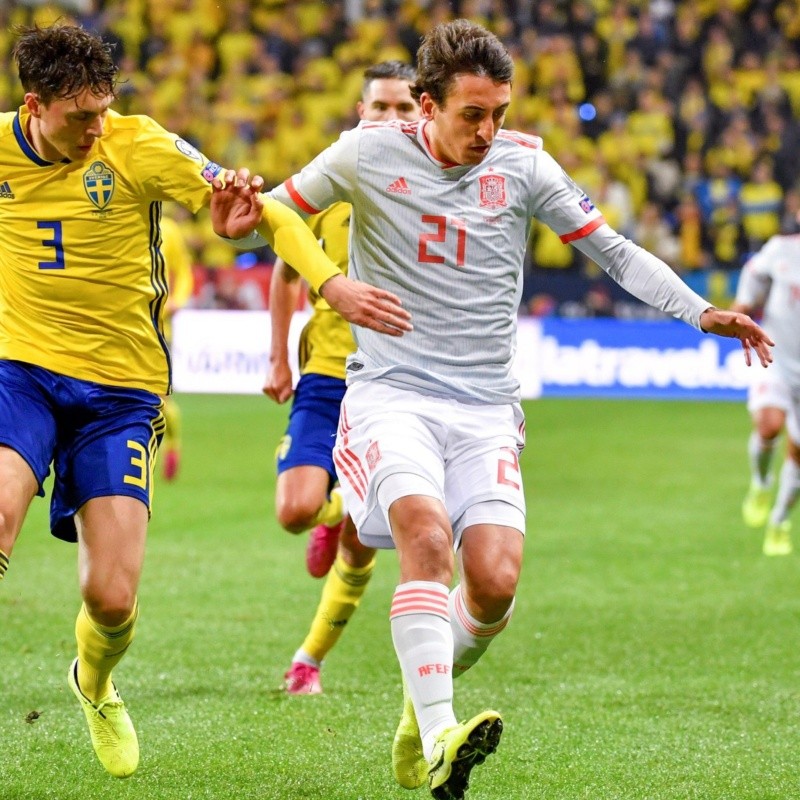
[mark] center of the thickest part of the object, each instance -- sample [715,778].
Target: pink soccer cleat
[323,542]
[172,462]
[302,679]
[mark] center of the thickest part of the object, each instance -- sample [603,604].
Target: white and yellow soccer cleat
[755,506]
[777,539]
[113,735]
[408,761]
[458,750]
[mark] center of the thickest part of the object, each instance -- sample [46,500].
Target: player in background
[431,425]
[770,282]
[178,260]
[83,356]
[305,492]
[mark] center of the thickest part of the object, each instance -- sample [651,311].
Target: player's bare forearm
[736,325]
[367,306]
[283,299]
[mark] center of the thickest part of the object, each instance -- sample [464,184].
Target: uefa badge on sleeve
[211,170]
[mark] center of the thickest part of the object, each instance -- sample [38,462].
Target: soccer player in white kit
[770,281]
[431,426]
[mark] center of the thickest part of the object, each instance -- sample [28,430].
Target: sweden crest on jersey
[98,181]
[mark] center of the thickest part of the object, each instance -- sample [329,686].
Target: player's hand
[236,203]
[739,326]
[278,384]
[366,305]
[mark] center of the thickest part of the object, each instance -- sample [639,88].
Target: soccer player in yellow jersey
[178,260]
[83,357]
[305,492]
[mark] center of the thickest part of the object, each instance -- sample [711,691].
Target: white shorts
[463,454]
[770,390]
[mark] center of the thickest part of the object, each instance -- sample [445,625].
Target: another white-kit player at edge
[770,280]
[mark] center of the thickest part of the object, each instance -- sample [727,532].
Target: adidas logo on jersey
[399,187]
[5,191]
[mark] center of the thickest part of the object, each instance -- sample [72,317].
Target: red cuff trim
[298,198]
[584,231]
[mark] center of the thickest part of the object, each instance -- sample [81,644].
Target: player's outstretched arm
[359,303]
[234,209]
[739,326]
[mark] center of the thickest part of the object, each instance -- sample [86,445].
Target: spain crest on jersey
[98,181]
[493,191]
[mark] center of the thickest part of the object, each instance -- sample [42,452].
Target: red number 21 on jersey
[443,226]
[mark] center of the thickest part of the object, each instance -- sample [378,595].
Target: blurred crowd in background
[678,118]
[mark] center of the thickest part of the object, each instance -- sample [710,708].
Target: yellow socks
[332,511]
[3,564]
[341,595]
[99,650]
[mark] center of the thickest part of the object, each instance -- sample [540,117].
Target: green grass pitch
[653,654]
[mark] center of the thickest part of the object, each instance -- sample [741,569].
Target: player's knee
[9,529]
[110,608]
[769,431]
[494,593]
[295,515]
[10,526]
[769,423]
[425,554]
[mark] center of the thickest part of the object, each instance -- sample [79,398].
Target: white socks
[436,639]
[760,452]
[471,638]
[788,490]
[423,642]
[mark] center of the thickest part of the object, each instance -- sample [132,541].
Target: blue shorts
[311,433]
[102,440]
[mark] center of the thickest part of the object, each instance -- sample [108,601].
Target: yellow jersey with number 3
[327,340]
[83,282]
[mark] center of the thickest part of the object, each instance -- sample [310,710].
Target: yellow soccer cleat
[778,540]
[408,762]
[458,750]
[755,507]
[113,735]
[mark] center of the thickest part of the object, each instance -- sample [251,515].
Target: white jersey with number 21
[450,240]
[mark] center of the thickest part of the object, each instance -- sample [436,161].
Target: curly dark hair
[457,48]
[61,61]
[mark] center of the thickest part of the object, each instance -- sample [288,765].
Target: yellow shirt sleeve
[164,166]
[293,241]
